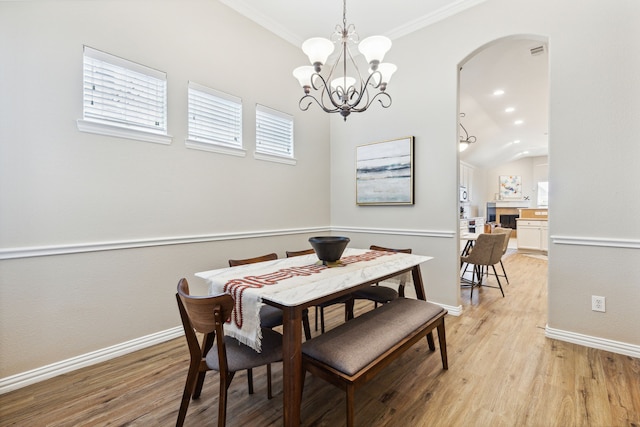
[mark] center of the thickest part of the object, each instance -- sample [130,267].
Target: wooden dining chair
[207,315]
[382,294]
[486,252]
[270,316]
[347,300]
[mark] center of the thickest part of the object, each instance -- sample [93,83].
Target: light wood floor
[502,372]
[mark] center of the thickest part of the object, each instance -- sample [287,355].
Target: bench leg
[443,345]
[350,402]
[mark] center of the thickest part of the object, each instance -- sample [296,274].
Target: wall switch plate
[597,303]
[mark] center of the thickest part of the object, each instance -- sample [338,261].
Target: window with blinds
[123,94]
[214,117]
[274,132]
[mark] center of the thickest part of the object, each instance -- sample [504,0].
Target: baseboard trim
[453,310]
[49,371]
[594,342]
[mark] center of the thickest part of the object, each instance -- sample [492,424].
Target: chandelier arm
[311,99]
[466,134]
[325,90]
[362,93]
[468,139]
[379,96]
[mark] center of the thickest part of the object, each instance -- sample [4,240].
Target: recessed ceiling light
[518,122]
[509,110]
[517,141]
[498,92]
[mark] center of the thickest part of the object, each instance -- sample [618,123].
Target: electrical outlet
[597,303]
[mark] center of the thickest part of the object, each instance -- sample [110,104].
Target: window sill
[214,148]
[122,132]
[274,158]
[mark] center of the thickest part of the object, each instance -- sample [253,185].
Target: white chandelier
[345,94]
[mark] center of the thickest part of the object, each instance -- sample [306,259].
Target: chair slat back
[267,257]
[300,253]
[204,312]
[382,248]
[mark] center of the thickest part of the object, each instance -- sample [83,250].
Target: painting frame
[385,173]
[510,187]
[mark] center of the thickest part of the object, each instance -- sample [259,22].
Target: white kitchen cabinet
[544,236]
[533,235]
[466,178]
[464,226]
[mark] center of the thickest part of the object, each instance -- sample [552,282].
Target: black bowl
[329,248]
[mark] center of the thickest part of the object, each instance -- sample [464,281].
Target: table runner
[292,281]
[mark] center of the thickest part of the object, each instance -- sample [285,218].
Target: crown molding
[432,18]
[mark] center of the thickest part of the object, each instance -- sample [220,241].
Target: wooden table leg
[417,283]
[292,366]
[419,286]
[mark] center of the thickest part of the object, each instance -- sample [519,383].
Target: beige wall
[62,190]
[593,160]
[147,214]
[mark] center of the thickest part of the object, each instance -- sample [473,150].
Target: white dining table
[293,284]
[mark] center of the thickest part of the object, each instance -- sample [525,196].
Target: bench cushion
[353,345]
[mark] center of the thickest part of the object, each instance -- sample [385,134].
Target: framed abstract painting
[510,187]
[384,173]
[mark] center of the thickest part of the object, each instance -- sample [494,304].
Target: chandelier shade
[385,71]
[343,82]
[344,89]
[318,50]
[374,48]
[303,74]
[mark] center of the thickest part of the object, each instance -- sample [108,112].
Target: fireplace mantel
[512,203]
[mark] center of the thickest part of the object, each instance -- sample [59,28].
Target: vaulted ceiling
[508,65]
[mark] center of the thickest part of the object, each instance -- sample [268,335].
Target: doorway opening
[503,102]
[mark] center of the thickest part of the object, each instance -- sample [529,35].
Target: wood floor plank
[503,371]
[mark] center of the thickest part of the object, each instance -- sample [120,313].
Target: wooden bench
[354,352]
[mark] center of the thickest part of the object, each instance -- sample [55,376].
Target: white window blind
[214,117]
[123,93]
[274,132]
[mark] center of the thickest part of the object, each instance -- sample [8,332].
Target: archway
[503,96]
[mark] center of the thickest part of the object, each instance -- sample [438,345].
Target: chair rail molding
[31,252]
[397,231]
[596,241]
[67,249]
